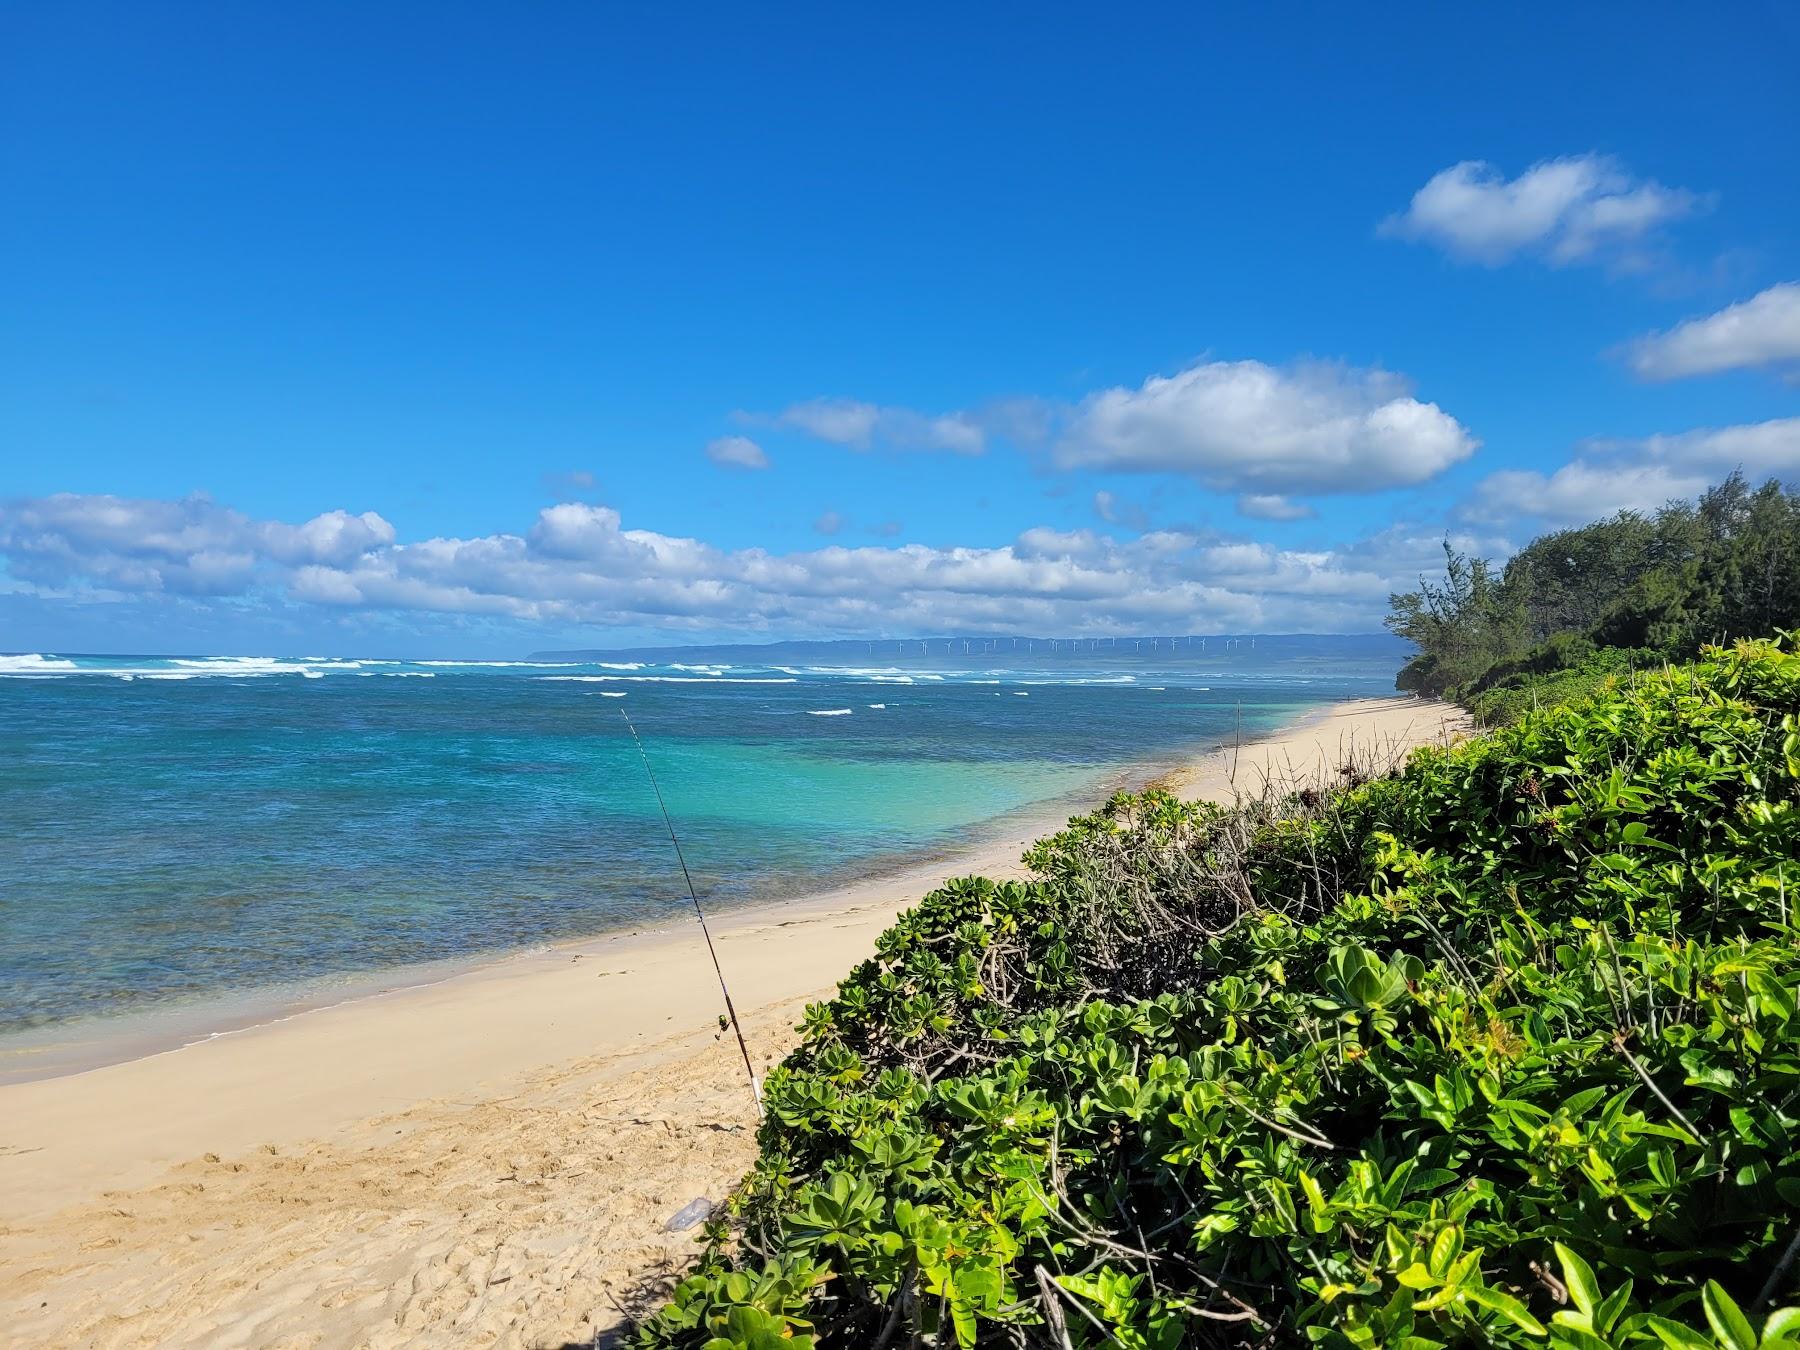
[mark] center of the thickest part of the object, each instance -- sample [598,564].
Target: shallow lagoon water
[174,830]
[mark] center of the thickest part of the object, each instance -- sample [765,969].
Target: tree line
[1577,606]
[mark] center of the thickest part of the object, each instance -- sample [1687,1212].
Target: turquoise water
[178,829]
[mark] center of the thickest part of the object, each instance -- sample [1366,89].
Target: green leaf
[1611,1307]
[1567,1337]
[1506,1306]
[1728,1323]
[1445,1250]
[1579,1276]
[1677,1336]
[1417,1276]
[1783,1326]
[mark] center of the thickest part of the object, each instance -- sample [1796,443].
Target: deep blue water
[176,829]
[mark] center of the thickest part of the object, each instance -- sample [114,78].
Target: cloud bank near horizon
[579,565]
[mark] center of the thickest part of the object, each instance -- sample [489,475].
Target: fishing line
[668,821]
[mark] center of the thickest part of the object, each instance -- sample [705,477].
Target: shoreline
[493,1156]
[85,1045]
[89,1044]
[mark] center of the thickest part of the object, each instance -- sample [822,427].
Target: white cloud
[1580,491]
[1273,506]
[191,546]
[1761,331]
[863,426]
[829,522]
[737,452]
[578,565]
[1578,209]
[1239,426]
[335,537]
[1642,475]
[1246,426]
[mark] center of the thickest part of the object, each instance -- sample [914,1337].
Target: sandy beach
[491,1159]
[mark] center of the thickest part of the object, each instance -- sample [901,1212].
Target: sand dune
[489,1161]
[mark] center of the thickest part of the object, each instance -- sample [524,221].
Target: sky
[450,329]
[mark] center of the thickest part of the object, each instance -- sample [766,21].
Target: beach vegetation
[1500,1048]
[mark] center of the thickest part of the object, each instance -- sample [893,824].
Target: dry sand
[489,1160]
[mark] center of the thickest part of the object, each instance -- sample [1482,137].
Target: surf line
[712,951]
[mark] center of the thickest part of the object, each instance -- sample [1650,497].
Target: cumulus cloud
[863,426]
[737,452]
[1761,331]
[1273,506]
[1249,427]
[335,537]
[579,564]
[1583,208]
[192,546]
[1239,426]
[1638,475]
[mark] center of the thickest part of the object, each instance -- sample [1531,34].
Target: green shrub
[1508,698]
[1502,1049]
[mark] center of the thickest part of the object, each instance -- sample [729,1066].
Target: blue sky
[1033,318]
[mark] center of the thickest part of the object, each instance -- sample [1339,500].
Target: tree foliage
[1556,619]
[1502,1049]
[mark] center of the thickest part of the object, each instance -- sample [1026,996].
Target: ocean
[179,831]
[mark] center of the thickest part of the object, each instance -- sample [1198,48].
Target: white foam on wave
[828,712]
[216,668]
[34,663]
[225,673]
[527,665]
[259,665]
[1096,679]
[878,705]
[409,674]
[668,679]
[1021,693]
[897,674]
[865,671]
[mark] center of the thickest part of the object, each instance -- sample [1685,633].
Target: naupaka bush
[1499,1049]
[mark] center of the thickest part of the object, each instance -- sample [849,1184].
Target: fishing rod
[712,951]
